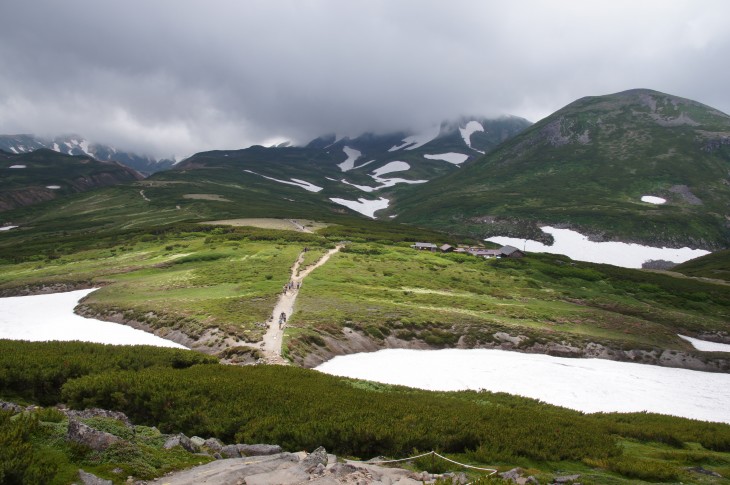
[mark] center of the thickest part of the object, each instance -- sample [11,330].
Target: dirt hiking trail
[285,306]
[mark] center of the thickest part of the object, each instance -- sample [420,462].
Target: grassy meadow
[449,299]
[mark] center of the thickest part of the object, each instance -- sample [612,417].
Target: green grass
[383,290]
[715,266]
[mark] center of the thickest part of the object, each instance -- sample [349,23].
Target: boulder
[91,479]
[181,440]
[213,444]
[9,406]
[456,478]
[318,456]
[230,451]
[512,475]
[259,450]
[342,469]
[197,441]
[86,435]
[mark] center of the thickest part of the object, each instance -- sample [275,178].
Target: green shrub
[20,460]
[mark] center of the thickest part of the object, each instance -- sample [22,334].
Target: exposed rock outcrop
[86,435]
[183,441]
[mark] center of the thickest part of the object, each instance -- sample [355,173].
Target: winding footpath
[285,304]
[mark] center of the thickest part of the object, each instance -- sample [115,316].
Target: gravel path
[285,305]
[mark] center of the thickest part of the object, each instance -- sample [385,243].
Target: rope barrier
[490,471]
[397,461]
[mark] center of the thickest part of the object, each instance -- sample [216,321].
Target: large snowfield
[51,317]
[588,385]
[577,246]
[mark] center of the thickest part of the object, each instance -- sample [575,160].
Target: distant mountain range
[360,173]
[42,175]
[636,166]
[77,145]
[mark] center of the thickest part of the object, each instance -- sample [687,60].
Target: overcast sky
[179,76]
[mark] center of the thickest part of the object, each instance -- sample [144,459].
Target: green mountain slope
[77,145]
[587,166]
[42,175]
[715,266]
[280,182]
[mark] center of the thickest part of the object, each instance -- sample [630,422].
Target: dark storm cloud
[174,77]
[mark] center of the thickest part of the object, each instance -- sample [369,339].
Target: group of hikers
[292,285]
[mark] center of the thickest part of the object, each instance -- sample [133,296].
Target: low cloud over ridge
[171,77]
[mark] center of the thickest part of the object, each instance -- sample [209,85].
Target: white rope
[396,461]
[490,471]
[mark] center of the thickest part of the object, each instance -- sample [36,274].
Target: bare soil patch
[301,225]
[215,197]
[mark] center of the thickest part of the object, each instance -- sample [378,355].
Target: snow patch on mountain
[391,167]
[17,166]
[376,175]
[364,188]
[364,164]
[352,156]
[706,345]
[579,247]
[7,228]
[296,182]
[53,187]
[468,130]
[396,166]
[653,200]
[451,157]
[363,206]
[418,140]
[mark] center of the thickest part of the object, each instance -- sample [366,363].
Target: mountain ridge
[77,145]
[587,166]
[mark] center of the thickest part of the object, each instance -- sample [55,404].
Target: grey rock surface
[230,451]
[258,450]
[91,479]
[181,440]
[213,444]
[317,457]
[86,435]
